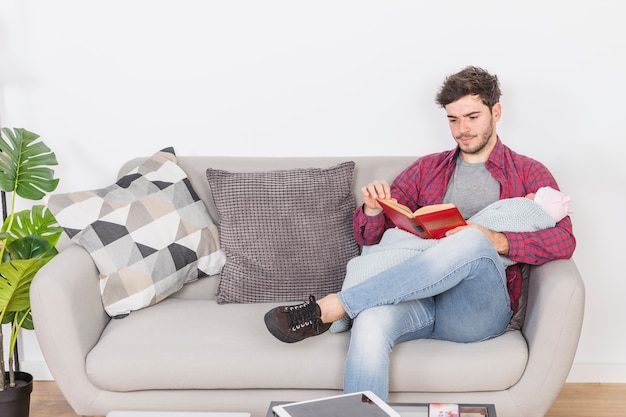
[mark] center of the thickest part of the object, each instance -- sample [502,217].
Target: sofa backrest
[368,168]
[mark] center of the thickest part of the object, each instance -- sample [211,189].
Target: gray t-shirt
[471,188]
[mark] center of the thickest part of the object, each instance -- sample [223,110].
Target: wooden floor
[576,400]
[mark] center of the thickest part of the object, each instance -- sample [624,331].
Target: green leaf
[24,164]
[15,279]
[31,247]
[28,321]
[38,221]
[8,317]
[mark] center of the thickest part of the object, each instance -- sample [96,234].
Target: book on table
[428,222]
[359,404]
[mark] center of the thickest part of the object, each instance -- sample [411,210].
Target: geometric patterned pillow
[148,234]
[287,234]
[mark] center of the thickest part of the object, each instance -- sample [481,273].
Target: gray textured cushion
[286,233]
[148,233]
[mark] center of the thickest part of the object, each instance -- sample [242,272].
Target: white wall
[103,81]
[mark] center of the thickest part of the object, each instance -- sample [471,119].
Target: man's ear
[496,111]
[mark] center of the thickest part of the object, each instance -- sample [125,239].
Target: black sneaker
[297,322]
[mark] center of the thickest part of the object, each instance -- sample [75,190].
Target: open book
[428,222]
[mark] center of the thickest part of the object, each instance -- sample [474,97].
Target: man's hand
[497,239]
[372,191]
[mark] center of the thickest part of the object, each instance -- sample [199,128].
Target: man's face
[473,127]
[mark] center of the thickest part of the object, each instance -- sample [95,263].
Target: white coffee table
[174,414]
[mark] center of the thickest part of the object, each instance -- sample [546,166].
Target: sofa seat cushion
[199,344]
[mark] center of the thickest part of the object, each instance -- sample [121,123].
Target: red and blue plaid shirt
[425,182]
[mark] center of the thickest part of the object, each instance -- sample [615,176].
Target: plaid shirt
[425,182]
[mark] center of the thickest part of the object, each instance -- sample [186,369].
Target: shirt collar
[497,154]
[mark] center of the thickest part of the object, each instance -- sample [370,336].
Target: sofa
[192,351]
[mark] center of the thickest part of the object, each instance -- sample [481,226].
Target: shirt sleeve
[536,248]
[368,230]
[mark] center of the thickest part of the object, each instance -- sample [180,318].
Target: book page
[399,207]
[433,208]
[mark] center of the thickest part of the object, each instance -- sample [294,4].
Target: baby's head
[554,202]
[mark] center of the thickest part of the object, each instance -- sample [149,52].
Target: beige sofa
[190,353]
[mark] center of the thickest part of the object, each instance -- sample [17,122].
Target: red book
[428,222]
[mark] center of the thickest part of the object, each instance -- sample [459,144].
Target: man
[458,290]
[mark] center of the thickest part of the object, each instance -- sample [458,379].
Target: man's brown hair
[470,81]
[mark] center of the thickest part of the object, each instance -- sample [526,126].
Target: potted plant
[27,241]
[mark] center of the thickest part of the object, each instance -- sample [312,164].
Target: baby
[554,202]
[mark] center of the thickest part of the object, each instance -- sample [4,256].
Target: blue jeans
[461,278]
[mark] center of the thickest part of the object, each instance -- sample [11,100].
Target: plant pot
[15,402]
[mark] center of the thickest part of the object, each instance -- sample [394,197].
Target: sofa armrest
[69,318]
[554,317]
